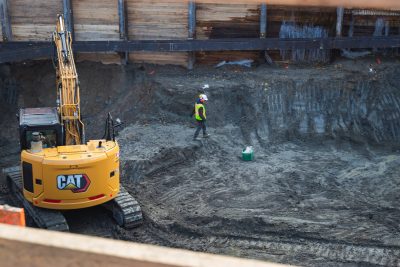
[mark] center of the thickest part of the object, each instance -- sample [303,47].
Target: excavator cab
[40,123]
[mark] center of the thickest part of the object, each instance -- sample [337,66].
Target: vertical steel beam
[263,30]
[351,26]
[68,17]
[191,31]
[387,28]
[192,20]
[5,21]
[263,21]
[339,21]
[122,19]
[123,28]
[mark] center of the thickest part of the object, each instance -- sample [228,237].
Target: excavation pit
[323,189]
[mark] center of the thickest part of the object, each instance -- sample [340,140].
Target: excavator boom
[68,98]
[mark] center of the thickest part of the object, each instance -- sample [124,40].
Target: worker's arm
[193,112]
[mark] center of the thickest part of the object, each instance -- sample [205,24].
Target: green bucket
[248,156]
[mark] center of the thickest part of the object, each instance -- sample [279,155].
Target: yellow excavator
[59,170]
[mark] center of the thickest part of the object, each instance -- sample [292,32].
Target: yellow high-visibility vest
[196,109]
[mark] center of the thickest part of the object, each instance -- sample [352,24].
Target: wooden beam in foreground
[378,4]
[33,247]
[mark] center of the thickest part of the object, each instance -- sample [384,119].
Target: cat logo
[77,183]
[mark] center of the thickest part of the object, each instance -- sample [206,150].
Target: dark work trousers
[200,125]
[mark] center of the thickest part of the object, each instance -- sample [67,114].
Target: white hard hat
[204,97]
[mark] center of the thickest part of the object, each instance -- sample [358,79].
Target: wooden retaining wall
[98,20]
[33,20]
[158,20]
[33,247]
[217,21]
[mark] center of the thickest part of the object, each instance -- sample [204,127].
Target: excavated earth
[323,189]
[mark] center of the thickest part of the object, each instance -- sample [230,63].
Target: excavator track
[125,209]
[44,218]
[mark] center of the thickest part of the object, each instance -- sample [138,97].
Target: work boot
[196,139]
[206,135]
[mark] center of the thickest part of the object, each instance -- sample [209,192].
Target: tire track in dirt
[269,247]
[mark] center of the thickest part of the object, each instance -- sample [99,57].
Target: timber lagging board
[156,20]
[96,20]
[33,20]
[218,21]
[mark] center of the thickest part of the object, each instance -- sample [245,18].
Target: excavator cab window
[44,121]
[48,138]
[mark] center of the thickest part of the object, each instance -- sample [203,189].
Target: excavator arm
[68,98]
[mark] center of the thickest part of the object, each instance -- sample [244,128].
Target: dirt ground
[323,189]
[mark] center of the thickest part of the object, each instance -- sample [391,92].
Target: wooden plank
[34,247]
[213,58]
[96,32]
[227,21]
[152,19]
[158,20]
[96,20]
[104,58]
[160,58]
[34,20]
[218,21]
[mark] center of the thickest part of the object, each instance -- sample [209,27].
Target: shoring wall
[34,20]
[158,20]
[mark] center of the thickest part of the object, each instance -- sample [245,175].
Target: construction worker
[200,114]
